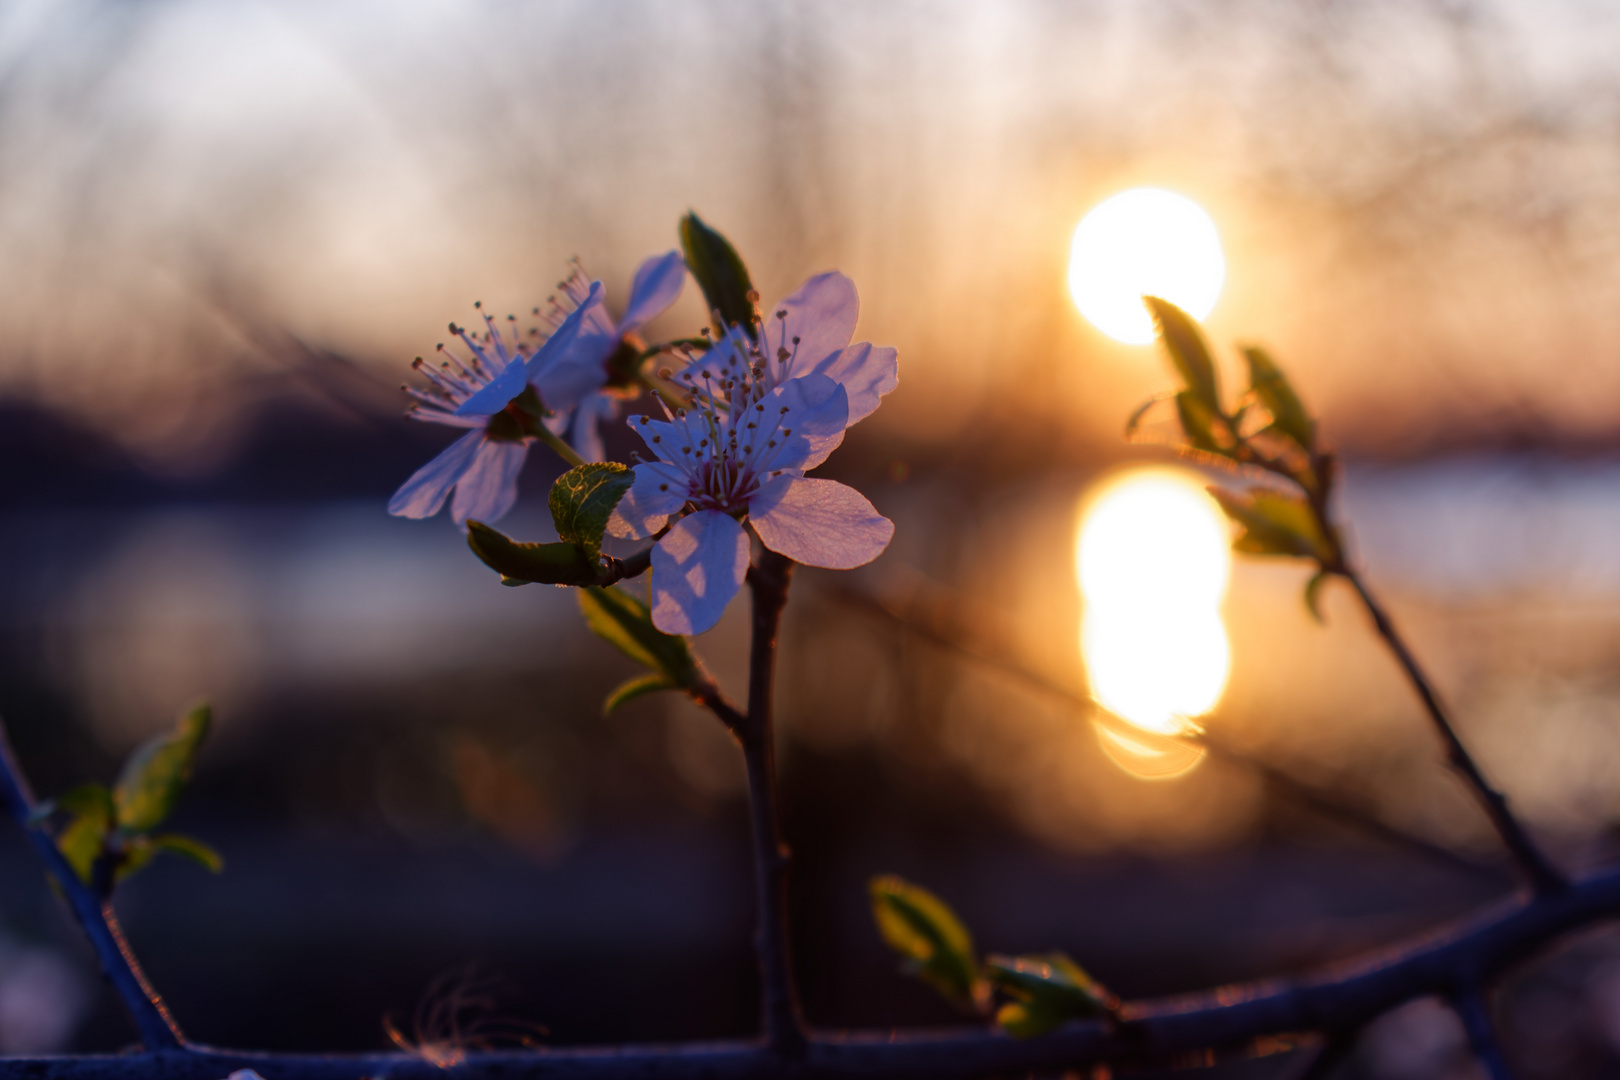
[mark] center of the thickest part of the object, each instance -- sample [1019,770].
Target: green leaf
[1047,991]
[1184,341]
[924,930]
[1198,422]
[719,271]
[141,850]
[83,839]
[84,799]
[157,771]
[1313,594]
[583,499]
[1271,386]
[624,622]
[640,686]
[1276,523]
[522,564]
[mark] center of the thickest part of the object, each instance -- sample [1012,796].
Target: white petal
[696,569]
[586,436]
[488,488]
[658,491]
[817,412]
[423,494]
[498,392]
[819,522]
[658,282]
[867,372]
[821,315]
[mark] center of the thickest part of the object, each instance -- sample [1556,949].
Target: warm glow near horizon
[1144,242]
[1152,559]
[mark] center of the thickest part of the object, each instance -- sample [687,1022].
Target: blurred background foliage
[225,230]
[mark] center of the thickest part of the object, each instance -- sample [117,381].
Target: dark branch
[784,1025]
[94,915]
[1337,999]
[1542,875]
[1476,1017]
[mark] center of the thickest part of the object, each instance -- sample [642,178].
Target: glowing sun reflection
[1152,559]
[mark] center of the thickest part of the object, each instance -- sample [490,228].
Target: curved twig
[1542,875]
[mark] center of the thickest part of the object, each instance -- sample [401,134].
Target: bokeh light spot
[1152,559]
[1144,242]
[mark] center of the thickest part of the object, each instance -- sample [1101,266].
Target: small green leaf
[92,799]
[522,564]
[1271,386]
[639,686]
[82,841]
[583,499]
[1184,341]
[188,847]
[1198,422]
[157,771]
[1047,991]
[624,622]
[1313,594]
[1276,523]
[719,271]
[924,930]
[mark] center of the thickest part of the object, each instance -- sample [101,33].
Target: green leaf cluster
[625,623]
[1039,992]
[932,941]
[1270,430]
[720,273]
[1046,991]
[582,500]
[110,834]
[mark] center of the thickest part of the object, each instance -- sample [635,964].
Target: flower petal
[488,488]
[423,494]
[696,569]
[810,429]
[586,436]
[658,282]
[867,372]
[819,522]
[821,315]
[496,394]
[569,365]
[657,492]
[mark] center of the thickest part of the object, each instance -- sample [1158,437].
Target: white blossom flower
[482,466]
[739,452]
[489,392]
[809,333]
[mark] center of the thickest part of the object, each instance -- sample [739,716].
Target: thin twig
[1476,1017]
[95,916]
[1339,998]
[953,636]
[1543,876]
[783,1022]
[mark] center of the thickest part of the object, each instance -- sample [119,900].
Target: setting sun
[1152,562]
[1144,242]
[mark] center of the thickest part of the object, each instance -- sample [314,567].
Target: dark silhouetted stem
[94,915]
[784,1026]
[1342,998]
[1476,1017]
[1542,875]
